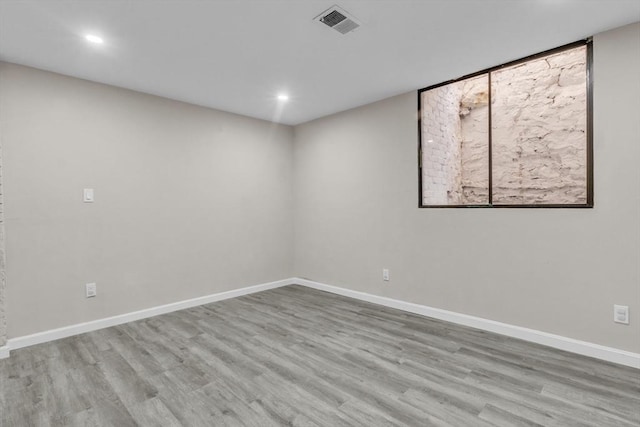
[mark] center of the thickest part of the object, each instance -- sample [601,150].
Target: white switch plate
[87,195]
[385,274]
[91,290]
[621,314]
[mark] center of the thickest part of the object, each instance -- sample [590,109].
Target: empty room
[308,213]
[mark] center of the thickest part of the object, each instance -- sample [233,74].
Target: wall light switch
[88,195]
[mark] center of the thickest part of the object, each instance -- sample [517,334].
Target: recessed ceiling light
[94,39]
[283,97]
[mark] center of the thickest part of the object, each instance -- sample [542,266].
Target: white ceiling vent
[338,19]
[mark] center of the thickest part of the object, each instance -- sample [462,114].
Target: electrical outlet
[385,274]
[621,314]
[91,290]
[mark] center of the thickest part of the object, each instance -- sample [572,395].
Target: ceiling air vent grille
[338,19]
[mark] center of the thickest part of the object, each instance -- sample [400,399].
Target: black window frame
[588,43]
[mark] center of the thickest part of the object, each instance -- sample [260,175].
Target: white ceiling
[237,55]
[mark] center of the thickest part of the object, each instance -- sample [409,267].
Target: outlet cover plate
[621,314]
[91,290]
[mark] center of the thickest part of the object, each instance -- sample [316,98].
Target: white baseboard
[4,352]
[585,348]
[597,351]
[80,328]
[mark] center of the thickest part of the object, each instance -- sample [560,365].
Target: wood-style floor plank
[301,357]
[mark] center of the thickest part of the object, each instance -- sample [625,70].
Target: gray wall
[191,201]
[188,201]
[3,323]
[559,271]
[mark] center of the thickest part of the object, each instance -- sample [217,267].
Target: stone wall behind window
[455,143]
[539,125]
[441,137]
[539,131]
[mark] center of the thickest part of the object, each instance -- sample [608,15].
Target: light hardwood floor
[297,356]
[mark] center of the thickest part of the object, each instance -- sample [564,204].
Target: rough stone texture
[538,135]
[3,323]
[474,125]
[455,143]
[539,131]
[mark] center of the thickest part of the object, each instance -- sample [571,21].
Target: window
[516,135]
